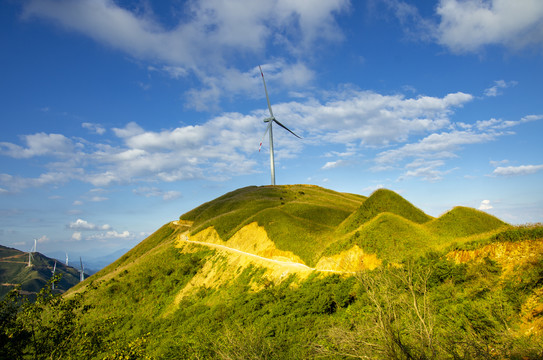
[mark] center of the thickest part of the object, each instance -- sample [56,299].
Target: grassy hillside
[312,222]
[14,271]
[462,221]
[171,299]
[390,236]
[298,218]
[381,201]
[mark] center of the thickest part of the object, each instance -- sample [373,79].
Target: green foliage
[46,328]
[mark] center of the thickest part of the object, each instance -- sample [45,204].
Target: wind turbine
[269,129]
[82,271]
[34,249]
[53,271]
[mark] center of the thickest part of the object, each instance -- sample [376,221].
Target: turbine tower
[53,271]
[82,271]
[269,129]
[34,249]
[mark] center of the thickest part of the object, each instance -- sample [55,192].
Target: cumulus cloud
[76,236]
[94,128]
[209,149]
[469,25]
[517,170]
[428,155]
[333,164]
[39,144]
[485,205]
[200,44]
[111,235]
[498,85]
[83,225]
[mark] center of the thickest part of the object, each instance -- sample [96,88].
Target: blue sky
[119,116]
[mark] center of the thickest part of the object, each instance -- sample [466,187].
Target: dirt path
[300,266]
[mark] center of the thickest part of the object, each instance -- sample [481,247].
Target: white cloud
[498,85]
[333,164]
[94,128]
[517,170]
[209,150]
[39,144]
[199,44]
[485,205]
[83,225]
[469,25]
[76,236]
[442,145]
[429,153]
[43,239]
[111,235]
[77,203]
[98,198]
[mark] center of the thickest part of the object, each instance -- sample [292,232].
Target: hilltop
[311,222]
[303,272]
[14,270]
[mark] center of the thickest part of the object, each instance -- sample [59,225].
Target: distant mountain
[92,264]
[14,270]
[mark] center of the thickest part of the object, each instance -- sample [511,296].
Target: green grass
[462,221]
[379,202]
[388,235]
[297,218]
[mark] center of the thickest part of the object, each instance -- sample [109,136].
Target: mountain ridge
[224,281]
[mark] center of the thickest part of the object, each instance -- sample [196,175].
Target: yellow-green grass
[390,236]
[381,201]
[297,218]
[463,221]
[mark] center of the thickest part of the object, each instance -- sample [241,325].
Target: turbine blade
[266,90]
[287,129]
[263,137]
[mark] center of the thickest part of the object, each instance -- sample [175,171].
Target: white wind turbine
[53,271]
[82,271]
[34,249]
[270,122]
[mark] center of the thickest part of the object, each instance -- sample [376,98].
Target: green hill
[382,201]
[390,236]
[463,221]
[298,218]
[174,297]
[14,270]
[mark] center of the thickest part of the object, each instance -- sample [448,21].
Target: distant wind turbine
[82,271]
[270,122]
[53,271]
[34,249]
